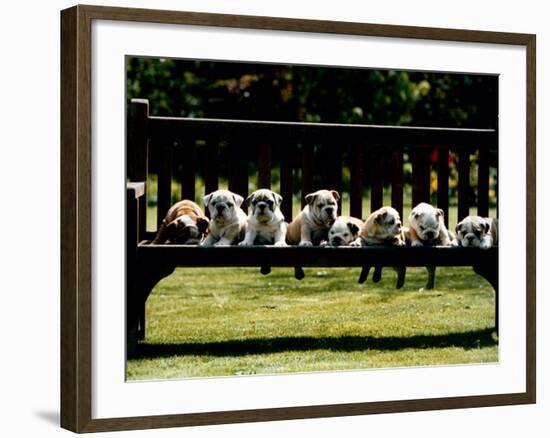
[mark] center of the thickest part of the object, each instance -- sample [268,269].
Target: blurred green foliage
[313,94]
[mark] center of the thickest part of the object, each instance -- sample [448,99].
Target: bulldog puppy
[311,225]
[477,232]
[266,223]
[227,219]
[383,227]
[345,231]
[184,224]
[427,228]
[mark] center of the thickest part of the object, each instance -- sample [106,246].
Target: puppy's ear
[486,226]
[278,198]
[335,194]
[310,198]
[379,218]
[458,227]
[202,224]
[439,213]
[172,229]
[207,199]
[238,199]
[249,199]
[353,228]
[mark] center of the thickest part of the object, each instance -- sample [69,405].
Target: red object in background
[434,156]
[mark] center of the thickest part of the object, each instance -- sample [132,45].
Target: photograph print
[304,218]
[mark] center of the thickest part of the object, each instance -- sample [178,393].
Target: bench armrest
[138,188]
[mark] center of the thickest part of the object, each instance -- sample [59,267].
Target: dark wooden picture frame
[76,218]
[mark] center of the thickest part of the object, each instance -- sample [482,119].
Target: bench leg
[489,271]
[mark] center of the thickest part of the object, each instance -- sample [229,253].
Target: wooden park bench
[308,156]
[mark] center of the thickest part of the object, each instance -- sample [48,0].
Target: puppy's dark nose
[329,210]
[261,206]
[470,238]
[220,208]
[430,234]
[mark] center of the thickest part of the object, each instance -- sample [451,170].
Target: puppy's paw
[485,245]
[324,243]
[244,243]
[416,243]
[221,244]
[356,243]
[398,242]
[305,243]
[280,243]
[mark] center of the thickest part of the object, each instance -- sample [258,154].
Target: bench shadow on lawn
[467,340]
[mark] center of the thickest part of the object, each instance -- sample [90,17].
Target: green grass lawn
[220,322]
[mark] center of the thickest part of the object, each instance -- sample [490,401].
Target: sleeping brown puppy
[184,224]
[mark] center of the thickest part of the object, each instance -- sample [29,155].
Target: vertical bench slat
[188,159]
[443,182]
[264,166]
[211,168]
[164,181]
[483,182]
[356,181]
[333,164]
[463,184]
[376,161]
[286,181]
[307,171]
[397,181]
[421,175]
[137,153]
[238,169]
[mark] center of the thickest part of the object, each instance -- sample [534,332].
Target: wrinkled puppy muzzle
[337,241]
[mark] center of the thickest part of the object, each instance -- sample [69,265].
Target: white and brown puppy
[266,223]
[311,225]
[383,227]
[477,232]
[427,227]
[345,231]
[184,224]
[227,218]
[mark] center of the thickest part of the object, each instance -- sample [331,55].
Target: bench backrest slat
[463,184]
[164,181]
[397,181]
[483,183]
[443,182]
[376,175]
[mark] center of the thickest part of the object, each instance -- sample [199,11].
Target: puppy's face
[323,205]
[342,232]
[426,220]
[222,205]
[264,204]
[471,230]
[183,231]
[387,223]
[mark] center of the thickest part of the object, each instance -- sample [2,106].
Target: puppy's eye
[422,227]
[346,234]
[391,221]
[332,233]
[270,203]
[320,205]
[229,204]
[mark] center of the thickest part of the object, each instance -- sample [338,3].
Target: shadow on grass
[466,340]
